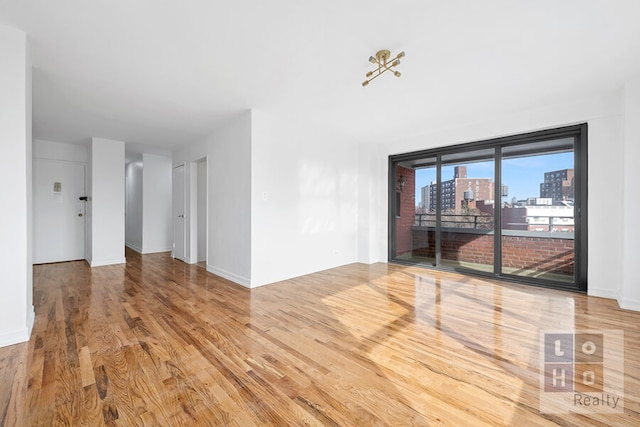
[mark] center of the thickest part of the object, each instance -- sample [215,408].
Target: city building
[542,217]
[461,192]
[558,185]
[425,198]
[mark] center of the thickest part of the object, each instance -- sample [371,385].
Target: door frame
[85,209]
[578,132]
[176,211]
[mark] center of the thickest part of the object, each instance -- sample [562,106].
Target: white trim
[629,304]
[15,337]
[229,276]
[602,293]
[77,162]
[150,251]
[157,250]
[104,262]
[134,247]
[31,318]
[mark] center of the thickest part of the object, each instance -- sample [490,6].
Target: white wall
[230,201]
[107,202]
[228,152]
[630,291]
[372,235]
[157,233]
[304,199]
[605,150]
[134,204]
[16,305]
[282,199]
[88,247]
[30,317]
[43,149]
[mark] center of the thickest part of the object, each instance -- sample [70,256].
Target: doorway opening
[179,205]
[59,221]
[202,214]
[512,208]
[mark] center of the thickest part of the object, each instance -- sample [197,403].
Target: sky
[522,175]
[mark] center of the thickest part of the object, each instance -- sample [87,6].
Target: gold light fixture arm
[381,59]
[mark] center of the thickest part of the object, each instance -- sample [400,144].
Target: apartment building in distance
[539,214]
[461,192]
[558,185]
[552,211]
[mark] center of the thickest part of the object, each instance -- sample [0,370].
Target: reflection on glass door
[538,217]
[467,210]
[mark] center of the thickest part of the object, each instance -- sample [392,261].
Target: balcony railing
[482,222]
[485,222]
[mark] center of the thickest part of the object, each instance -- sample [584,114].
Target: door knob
[80,214]
[180,216]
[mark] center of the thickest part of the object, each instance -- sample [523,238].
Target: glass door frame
[577,132]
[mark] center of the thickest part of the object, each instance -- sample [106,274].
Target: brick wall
[404,223]
[476,246]
[520,252]
[536,253]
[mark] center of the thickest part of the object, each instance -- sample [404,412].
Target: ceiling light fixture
[382,60]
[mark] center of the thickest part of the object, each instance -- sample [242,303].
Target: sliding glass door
[538,232]
[467,195]
[512,207]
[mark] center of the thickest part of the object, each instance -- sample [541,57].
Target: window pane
[538,217]
[424,230]
[415,226]
[405,201]
[467,205]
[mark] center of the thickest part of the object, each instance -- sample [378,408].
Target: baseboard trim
[235,278]
[602,293]
[15,337]
[133,247]
[629,304]
[31,319]
[103,262]
[157,250]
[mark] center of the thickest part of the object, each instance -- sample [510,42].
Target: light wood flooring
[159,342]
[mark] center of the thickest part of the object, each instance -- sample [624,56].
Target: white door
[58,212]
[179,224]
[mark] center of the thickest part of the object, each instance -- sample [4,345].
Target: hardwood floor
[159,342]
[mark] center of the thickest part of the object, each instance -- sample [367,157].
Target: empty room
[320,213]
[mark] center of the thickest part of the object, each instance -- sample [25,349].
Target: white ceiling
[167,72]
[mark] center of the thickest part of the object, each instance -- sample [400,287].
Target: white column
[16,287]
[107,198]
[157,234]
[630,287]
